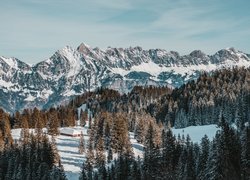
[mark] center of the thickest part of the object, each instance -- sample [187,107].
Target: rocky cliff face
[70,72]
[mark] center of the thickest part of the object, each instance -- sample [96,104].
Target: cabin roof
[70,131]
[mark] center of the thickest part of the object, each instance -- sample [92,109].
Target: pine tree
[245,153]
[102,172]
[42,171]
[53,122]
[189,172]
[230,151]
[17,120]
[83,117]
[83,175]
[135,170]
[110,155]
[168,150]
[57,173]
[37,121]
[119,134]
[151,155]
[213,169]
[54,150]
[100,156]
[81,146]
[203,157]
[90,158]
[107,135]
[11,165]
[95,176]
[140,130]
[90,122]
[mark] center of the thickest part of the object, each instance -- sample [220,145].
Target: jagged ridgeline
[70,72]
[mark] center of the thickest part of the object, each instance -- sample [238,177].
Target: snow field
[197,132]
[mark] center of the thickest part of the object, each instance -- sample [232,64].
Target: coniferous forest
[222,98]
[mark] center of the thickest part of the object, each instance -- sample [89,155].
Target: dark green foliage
[83,175]
[203,157]
[181,159]
[245,153]
[32,159]
[200,102]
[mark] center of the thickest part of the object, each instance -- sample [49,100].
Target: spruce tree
[168,150]
[119,134]
[90,158]
[110,155]
[189,171]
[151,154]
[245,153]
[203,157]
[83,175]
[107,136]
[53,122]
[213,169]
[81,147]
[83,117]
[100,156]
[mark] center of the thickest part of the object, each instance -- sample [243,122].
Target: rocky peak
[197,54]
[84,48]
[175,54]
[229,54]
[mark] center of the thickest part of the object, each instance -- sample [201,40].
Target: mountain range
[69,72]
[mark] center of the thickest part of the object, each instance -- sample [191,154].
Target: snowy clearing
[197,132]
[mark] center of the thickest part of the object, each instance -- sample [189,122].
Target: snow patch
[69,93]
[30,98]
[10,61]
[196,133]
[6,84]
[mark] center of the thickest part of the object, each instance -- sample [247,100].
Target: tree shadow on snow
[67,144]
[71,161]
[69,152]
[138,146]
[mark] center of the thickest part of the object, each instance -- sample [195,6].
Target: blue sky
[32,30]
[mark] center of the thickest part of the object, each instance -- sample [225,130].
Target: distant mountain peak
[83,48]
[231,49]
[69,72]
[197,53]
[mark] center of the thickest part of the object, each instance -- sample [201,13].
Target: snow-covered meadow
[197,132]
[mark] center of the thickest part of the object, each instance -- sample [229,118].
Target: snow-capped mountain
[70,72]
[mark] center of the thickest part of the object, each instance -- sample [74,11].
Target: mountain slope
[70,72]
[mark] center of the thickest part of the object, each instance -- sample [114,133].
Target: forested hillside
[225,157]
[200,102]
[221,98]
[195,103]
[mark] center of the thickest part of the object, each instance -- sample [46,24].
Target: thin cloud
[32,29]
